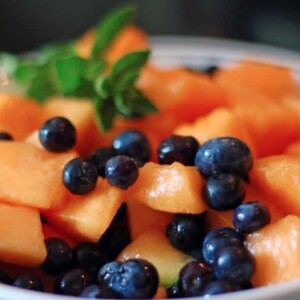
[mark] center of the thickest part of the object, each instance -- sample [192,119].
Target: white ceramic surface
[198,53]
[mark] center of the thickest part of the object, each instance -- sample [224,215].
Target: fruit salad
[121,179]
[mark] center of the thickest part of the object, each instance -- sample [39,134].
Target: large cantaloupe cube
[85,218]
[31,176]
[276,250]
[171,188]
[293,149]
[19,116]
[21,236]
[279,178]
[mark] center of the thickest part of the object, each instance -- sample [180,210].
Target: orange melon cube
[293,149]
[19,116]
[171,188]
[22,239]
[276,250]
[279,178]
[85,218]
[31,176]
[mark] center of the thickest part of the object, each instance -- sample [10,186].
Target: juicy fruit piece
[172,188]
[31,176]
[85,218]
[276,251]
[80,176]
[154,247]
[278,177]
[19,116]
[227,155]
[51,232]
[293,149]
[29,282]
[22,243]
[250,217]
[57,134]
[131,279]
[177,148]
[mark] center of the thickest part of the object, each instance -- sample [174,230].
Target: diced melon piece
[85,218]
[220,122]
[21,236]
[293,149]
[81,113]
[142,217]
[171,188]
[279,178]
[153,246]
[161,293]
[276,250]
[31,176]
[19,116]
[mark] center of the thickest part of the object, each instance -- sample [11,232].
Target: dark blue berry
[219,287]
[5,136]
[57,134]
[219,238]
[133,143]
[186,232]
[94,291]
[29,282]
[121,171]
[193,277]
[210,70]
[80,176]
[224,191]
[234,264]
[132,279]
[224,155]
[59,256]
[173,291]
[72,282]
[251,216]
[100,157]
[89,256]
[4,278]
[178,148]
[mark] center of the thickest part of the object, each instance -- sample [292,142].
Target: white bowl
[199,53]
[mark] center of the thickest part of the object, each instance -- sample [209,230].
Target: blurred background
[26,24]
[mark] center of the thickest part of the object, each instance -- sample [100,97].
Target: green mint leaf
[8,63]
[104,87]
[93,69]
[68,71]
[126,81]
[25,72]
[105,112]
[108,29]
[54,51]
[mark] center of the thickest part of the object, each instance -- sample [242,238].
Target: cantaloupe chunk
[183,93]
[81,113]
[85,218]
[31,176]
[279,178]
[142,217]
[171,188]
[19,116]
[21,236]
[153,246]
[220,122]
[293,149]
[276,250]
[264,78]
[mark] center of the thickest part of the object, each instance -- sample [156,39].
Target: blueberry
[5,136]
[224,155]
[218,239]
[234,264]
[251,216]
[186,232]
[121,171]
[59,256]
[132,279]
[89,256]
[173,291]
[224,191]
[134,144]
[210,70]
[4,278]
[100,157]
[219,287]
[57,134]
[94,291]
[80,176]
[193,277]
[29,282]
[177,148]
[72,282]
